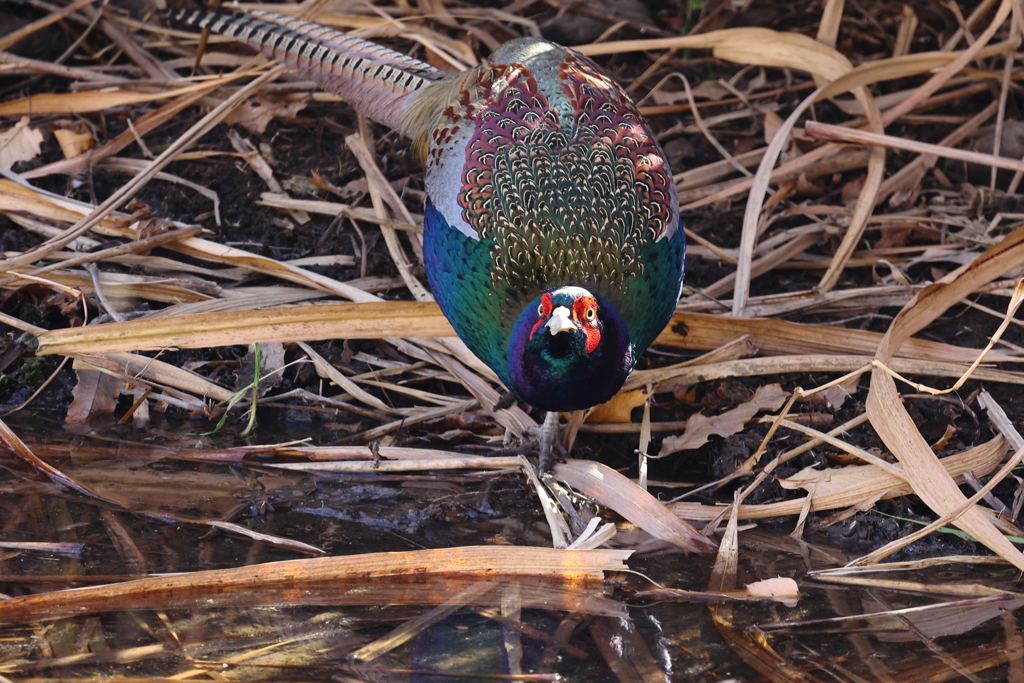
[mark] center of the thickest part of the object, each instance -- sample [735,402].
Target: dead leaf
[806,188]
[621,494]
[257,113]
[95,395]
[699,428]
[851,189]
[72,143]
[779,589]
[619,408]
[19,143]
[820,483]
[756,83]
[841,489]
[943,441]
[837,394]
[271,365]
[772,123]
[151,227]
[941,622]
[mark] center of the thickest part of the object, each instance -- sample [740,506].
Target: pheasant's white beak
[560,321]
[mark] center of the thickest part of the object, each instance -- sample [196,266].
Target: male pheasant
[552,239]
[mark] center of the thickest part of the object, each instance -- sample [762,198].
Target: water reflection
[476,621]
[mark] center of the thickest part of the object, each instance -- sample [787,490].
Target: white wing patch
[443,186]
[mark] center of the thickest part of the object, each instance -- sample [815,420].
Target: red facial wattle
[584,314]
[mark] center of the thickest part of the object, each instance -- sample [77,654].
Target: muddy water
[143,510]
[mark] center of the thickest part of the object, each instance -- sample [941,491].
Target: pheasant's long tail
[377,81]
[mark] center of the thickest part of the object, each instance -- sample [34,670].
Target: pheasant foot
[544,443]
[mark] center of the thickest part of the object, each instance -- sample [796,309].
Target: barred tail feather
[375,80]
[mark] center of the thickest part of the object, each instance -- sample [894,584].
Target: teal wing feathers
[481,310]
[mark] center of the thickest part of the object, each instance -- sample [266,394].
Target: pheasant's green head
[569,350]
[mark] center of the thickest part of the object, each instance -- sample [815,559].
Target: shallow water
[150,524]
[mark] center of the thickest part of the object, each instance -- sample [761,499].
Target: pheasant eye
[540,309]
[590,314]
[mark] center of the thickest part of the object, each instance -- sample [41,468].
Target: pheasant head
[569,350]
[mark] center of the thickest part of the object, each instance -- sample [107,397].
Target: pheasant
[551,238]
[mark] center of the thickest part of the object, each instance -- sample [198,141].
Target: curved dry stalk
[950,517]
[894,424]
[827,131]
[1015,301]
[827,33]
